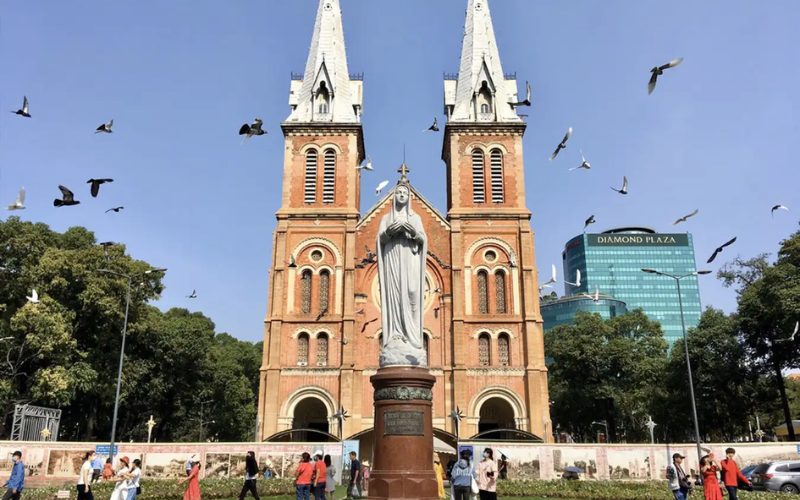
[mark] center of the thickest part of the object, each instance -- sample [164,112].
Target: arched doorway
[496,413]
[309,413]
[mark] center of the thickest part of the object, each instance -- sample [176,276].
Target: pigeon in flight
[624,189]
[434,126]
[292,262]
[366,166]
[588,221]
[115,209]
[371,256]
[779,207]
[19,203]
[322,313]
[106,127]
[595,297]
[24,110]
[249,130]
[719,249]
[527,101]
[96,185]
[34,297]
[562,144]
[192,295]
[512,259]
[577,283]
[584,164]
[380,187]
[794,333]
[686,217]
[553,276]
[658,71]
[67,198]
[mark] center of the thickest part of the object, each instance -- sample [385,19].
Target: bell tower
[310,308]
[497,326]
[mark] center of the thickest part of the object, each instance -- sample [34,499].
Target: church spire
[326,92]
[481,93]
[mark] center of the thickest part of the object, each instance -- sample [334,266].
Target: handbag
[474,486]
[138,490]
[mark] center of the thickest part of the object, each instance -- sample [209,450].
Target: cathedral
[482,325]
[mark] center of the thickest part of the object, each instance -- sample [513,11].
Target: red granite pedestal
[403,453]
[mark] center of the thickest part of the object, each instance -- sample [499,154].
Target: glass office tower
[564,310]
[612,263]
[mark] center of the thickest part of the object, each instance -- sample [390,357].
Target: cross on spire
[404,170]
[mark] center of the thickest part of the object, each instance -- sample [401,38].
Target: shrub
[601,490]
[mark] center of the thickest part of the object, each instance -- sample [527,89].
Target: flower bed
[602,490]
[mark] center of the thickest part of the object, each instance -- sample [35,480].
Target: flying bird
[95,189]
[512,258]
[19,203]
[115,209]
[624,189]
[658,71]
[24,110]
[434,126]
[553,276]
[371,256]
[527,101]
[778,207]
[249,130]
[719,249]
[584,164]
[794,333]
[380,187]
[292,262]
[577,283]
[366,166]
[192,295]
[322,313]
[588,221]
[106,127]
[595,297]
[562,144]
[686,217]
[34,297]
[67,198]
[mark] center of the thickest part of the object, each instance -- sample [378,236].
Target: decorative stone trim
[505,371]
[403,393]
[312,372]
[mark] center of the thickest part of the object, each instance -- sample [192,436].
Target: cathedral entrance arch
[309,413]
[496,413]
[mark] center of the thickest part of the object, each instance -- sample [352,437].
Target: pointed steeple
[481,93]
[326,93]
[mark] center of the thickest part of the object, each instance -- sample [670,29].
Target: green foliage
[599,490]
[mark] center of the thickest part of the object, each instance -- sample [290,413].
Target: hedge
[602,490]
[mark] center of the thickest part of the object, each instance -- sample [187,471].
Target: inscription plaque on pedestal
[403,423]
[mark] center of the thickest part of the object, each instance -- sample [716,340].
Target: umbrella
[576,470]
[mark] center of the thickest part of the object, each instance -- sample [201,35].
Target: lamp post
[122,349]
[686,349]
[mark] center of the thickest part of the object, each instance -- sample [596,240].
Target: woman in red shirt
[303,476]
[711,487]
[320,476]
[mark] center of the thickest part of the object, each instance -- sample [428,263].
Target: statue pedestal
[403,456]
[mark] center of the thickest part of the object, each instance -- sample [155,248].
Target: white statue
[402,254]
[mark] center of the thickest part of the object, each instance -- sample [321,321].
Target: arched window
[323,99]
[503,350]
[322,349]
[427,345]
[305,291]
[483,294]
[500,292]
[324,290]
[329,176]
[311,177]
[496,173]
[485,108]
[478,177]
[483,349]
[485,99]
[302,349]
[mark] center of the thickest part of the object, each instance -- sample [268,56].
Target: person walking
[134,476]
[302,477]
[502,467]
[732,476]
[16,482]
[461,478]
[320,476]
[121,478]
[487,476]
[108,470]
[250,476]
[439,471]
[97,468]
[188,465]
[708,470]
[192,491]
[330,479]
[85,477]
[679,483]
[353,486]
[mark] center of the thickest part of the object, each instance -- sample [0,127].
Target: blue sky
[720,132]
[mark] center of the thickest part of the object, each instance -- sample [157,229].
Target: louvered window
[311,177]
[496,170]
[322,350]
[483,295]
[500,291]
[483,350]
[329,177]
[503,350]
[324,290]
[478,178]
[302,349]
[305,292]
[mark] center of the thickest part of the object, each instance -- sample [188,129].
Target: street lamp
[122,349]
[686,349]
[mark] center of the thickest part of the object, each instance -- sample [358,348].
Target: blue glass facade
[612,263]
[563,310]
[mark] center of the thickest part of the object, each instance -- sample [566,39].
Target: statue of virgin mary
[402,254]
